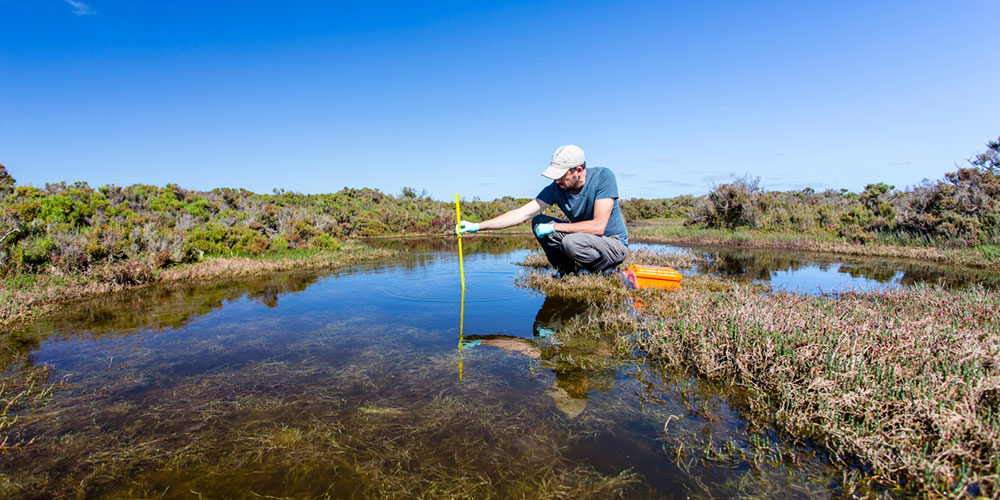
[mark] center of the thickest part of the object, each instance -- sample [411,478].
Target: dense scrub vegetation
[71,228]
[641,209]
[963,209]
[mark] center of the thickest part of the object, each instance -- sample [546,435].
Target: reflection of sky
[422,293]
[816,279]
[812,276]
[427,294]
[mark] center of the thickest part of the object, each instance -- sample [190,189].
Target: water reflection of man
[575,364]
[595,237]
[555,313]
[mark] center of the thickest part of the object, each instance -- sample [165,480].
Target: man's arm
[518,215]
[602,212]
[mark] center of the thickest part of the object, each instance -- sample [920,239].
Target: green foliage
[216,239]
[7,182]
[35,251]
[874,199]
[640,209]
[278,243]
[198,207]
[990,251]
[324,242]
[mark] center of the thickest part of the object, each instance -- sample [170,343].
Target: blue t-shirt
[600,183]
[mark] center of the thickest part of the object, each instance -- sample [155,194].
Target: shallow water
[814,273]
[356,384]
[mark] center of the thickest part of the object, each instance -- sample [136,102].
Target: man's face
[572,180]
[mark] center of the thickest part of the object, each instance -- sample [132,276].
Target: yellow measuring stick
[461,269]
[458,222]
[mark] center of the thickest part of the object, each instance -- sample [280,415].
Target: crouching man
[594,239]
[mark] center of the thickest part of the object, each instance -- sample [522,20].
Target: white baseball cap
[565,158]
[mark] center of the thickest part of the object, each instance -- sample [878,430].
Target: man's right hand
[466,227]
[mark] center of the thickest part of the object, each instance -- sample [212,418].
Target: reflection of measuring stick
[461,270]
[461,335]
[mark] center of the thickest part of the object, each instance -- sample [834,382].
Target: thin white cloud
[80,8]
[715,178]
[671,182]
[663,159]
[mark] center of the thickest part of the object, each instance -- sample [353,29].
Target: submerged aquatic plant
[27,387]
[372,427]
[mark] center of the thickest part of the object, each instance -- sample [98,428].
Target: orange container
[639,276]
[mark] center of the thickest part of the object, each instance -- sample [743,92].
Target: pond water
[814,273]
[362,383]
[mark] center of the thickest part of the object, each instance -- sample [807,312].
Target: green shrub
[197,208]
[279,243]
[324,242]
[36,250]
[202,241]
[7,182]
[96,250]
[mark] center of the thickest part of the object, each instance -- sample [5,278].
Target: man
[594,239]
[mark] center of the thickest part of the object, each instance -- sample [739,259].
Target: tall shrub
[731,205]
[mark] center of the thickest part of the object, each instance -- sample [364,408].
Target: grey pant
[568,252]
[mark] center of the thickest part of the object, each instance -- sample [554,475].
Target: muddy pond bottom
[356,385]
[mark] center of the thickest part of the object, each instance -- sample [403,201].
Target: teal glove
[467,227]
[545,229]
[545,332]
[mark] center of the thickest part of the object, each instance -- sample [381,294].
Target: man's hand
[545,229]
[466,227]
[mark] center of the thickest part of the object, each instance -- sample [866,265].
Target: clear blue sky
[473,97]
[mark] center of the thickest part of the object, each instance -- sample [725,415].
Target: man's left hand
[545,229]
